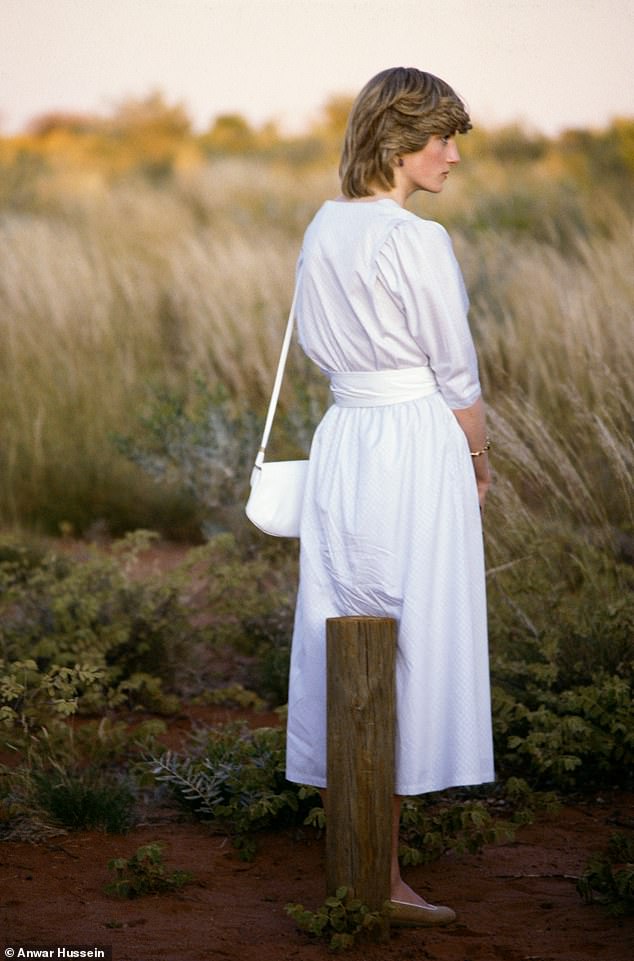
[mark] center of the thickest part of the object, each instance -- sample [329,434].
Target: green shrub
[144,873]
[234,695]
[609,877]
[19,556]
[129,633]
[270,636]
[429,830]
[34,700]
[245,592]
[576,739]
[246,596]
[235,778]
[204,447]
[562,657]
[112,639]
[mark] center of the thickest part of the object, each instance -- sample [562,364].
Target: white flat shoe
[404,914]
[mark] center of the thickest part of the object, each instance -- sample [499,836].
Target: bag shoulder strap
[277,384]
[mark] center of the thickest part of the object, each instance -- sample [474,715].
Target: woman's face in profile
[428,169]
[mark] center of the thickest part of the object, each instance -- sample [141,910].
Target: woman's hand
[483,479]
[473,422]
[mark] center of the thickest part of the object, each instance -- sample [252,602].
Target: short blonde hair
[397,112]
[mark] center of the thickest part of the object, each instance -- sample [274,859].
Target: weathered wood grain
[361,724]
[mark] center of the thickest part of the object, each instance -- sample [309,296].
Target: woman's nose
[453,156]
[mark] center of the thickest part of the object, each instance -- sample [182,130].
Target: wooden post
[361,654]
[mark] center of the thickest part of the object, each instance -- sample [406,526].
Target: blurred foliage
[203,447]
[154,138]
[609,877]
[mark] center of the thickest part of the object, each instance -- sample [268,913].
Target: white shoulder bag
[277,487]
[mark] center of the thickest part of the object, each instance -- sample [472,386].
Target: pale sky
[551,64]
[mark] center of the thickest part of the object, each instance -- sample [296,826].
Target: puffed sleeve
[420,270]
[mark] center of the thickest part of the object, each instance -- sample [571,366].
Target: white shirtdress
[391,524]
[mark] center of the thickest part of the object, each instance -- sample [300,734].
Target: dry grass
[556,353]
[105,292]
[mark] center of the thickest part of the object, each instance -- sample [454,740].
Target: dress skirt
[391,528]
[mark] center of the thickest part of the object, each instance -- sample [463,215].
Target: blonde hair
[397,112]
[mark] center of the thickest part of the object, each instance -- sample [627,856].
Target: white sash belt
[377,388]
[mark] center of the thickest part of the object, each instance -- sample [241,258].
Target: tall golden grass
[108,289]
[557,357]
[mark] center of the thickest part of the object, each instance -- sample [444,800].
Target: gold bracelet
[479,453]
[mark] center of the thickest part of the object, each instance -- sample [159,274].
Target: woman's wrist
[482,450]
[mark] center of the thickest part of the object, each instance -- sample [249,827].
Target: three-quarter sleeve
[420,270]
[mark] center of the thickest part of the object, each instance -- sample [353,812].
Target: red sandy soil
[515,901]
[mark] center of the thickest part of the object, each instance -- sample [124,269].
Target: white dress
[391,523]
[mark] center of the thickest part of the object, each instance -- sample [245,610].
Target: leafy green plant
[83,635]
[429,830]
[609,877]
[341,920]
[246,595]
[144,873]
[522,802]
[20,555]
[247,592]
[234,777]
[574,739]
[562,644]
[78,622]
[35,704]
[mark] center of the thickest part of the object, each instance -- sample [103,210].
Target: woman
[399,468]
